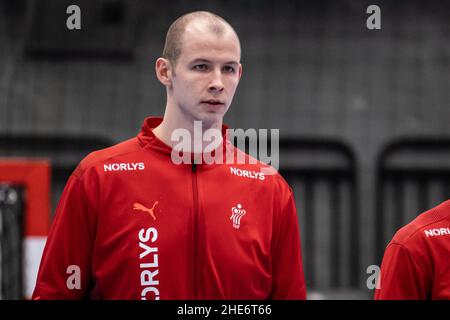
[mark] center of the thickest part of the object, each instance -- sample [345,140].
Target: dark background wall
[311,68]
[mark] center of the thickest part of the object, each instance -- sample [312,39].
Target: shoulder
[429,224]
[267,176]
[418,247]
[99,157]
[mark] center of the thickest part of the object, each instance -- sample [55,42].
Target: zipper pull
[194,167]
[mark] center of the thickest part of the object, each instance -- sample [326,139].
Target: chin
[210,117]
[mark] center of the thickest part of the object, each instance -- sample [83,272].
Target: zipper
[195,243]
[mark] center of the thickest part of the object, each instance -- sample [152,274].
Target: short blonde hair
[173,44]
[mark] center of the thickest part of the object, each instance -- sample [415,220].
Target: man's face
[206,74]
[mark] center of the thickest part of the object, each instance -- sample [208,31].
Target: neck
[174,119]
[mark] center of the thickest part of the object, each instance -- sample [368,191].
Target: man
[133,224]
[416,264]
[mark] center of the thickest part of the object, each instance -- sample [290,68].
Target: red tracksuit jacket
[416,264]
[131,224]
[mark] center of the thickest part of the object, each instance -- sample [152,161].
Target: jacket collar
[149,140]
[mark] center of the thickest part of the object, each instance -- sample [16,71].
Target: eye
[200,67]
[229,69]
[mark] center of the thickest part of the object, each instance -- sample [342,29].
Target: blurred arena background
[363,114]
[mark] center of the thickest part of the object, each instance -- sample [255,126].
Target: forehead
[199,41]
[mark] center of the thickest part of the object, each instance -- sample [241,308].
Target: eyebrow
[208,61]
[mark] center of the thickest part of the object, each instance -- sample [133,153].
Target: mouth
[213,102]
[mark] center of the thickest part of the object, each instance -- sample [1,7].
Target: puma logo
[138,206]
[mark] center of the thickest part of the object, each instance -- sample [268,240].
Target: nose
[216,84]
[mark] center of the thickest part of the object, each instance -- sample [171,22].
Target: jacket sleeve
[287,266]
[65,269]
[401,277]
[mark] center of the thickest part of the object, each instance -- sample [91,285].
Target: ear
[164,72]
[240,71]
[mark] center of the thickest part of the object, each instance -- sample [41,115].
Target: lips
[213,102]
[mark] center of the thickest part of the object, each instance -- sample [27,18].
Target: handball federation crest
[236,215]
